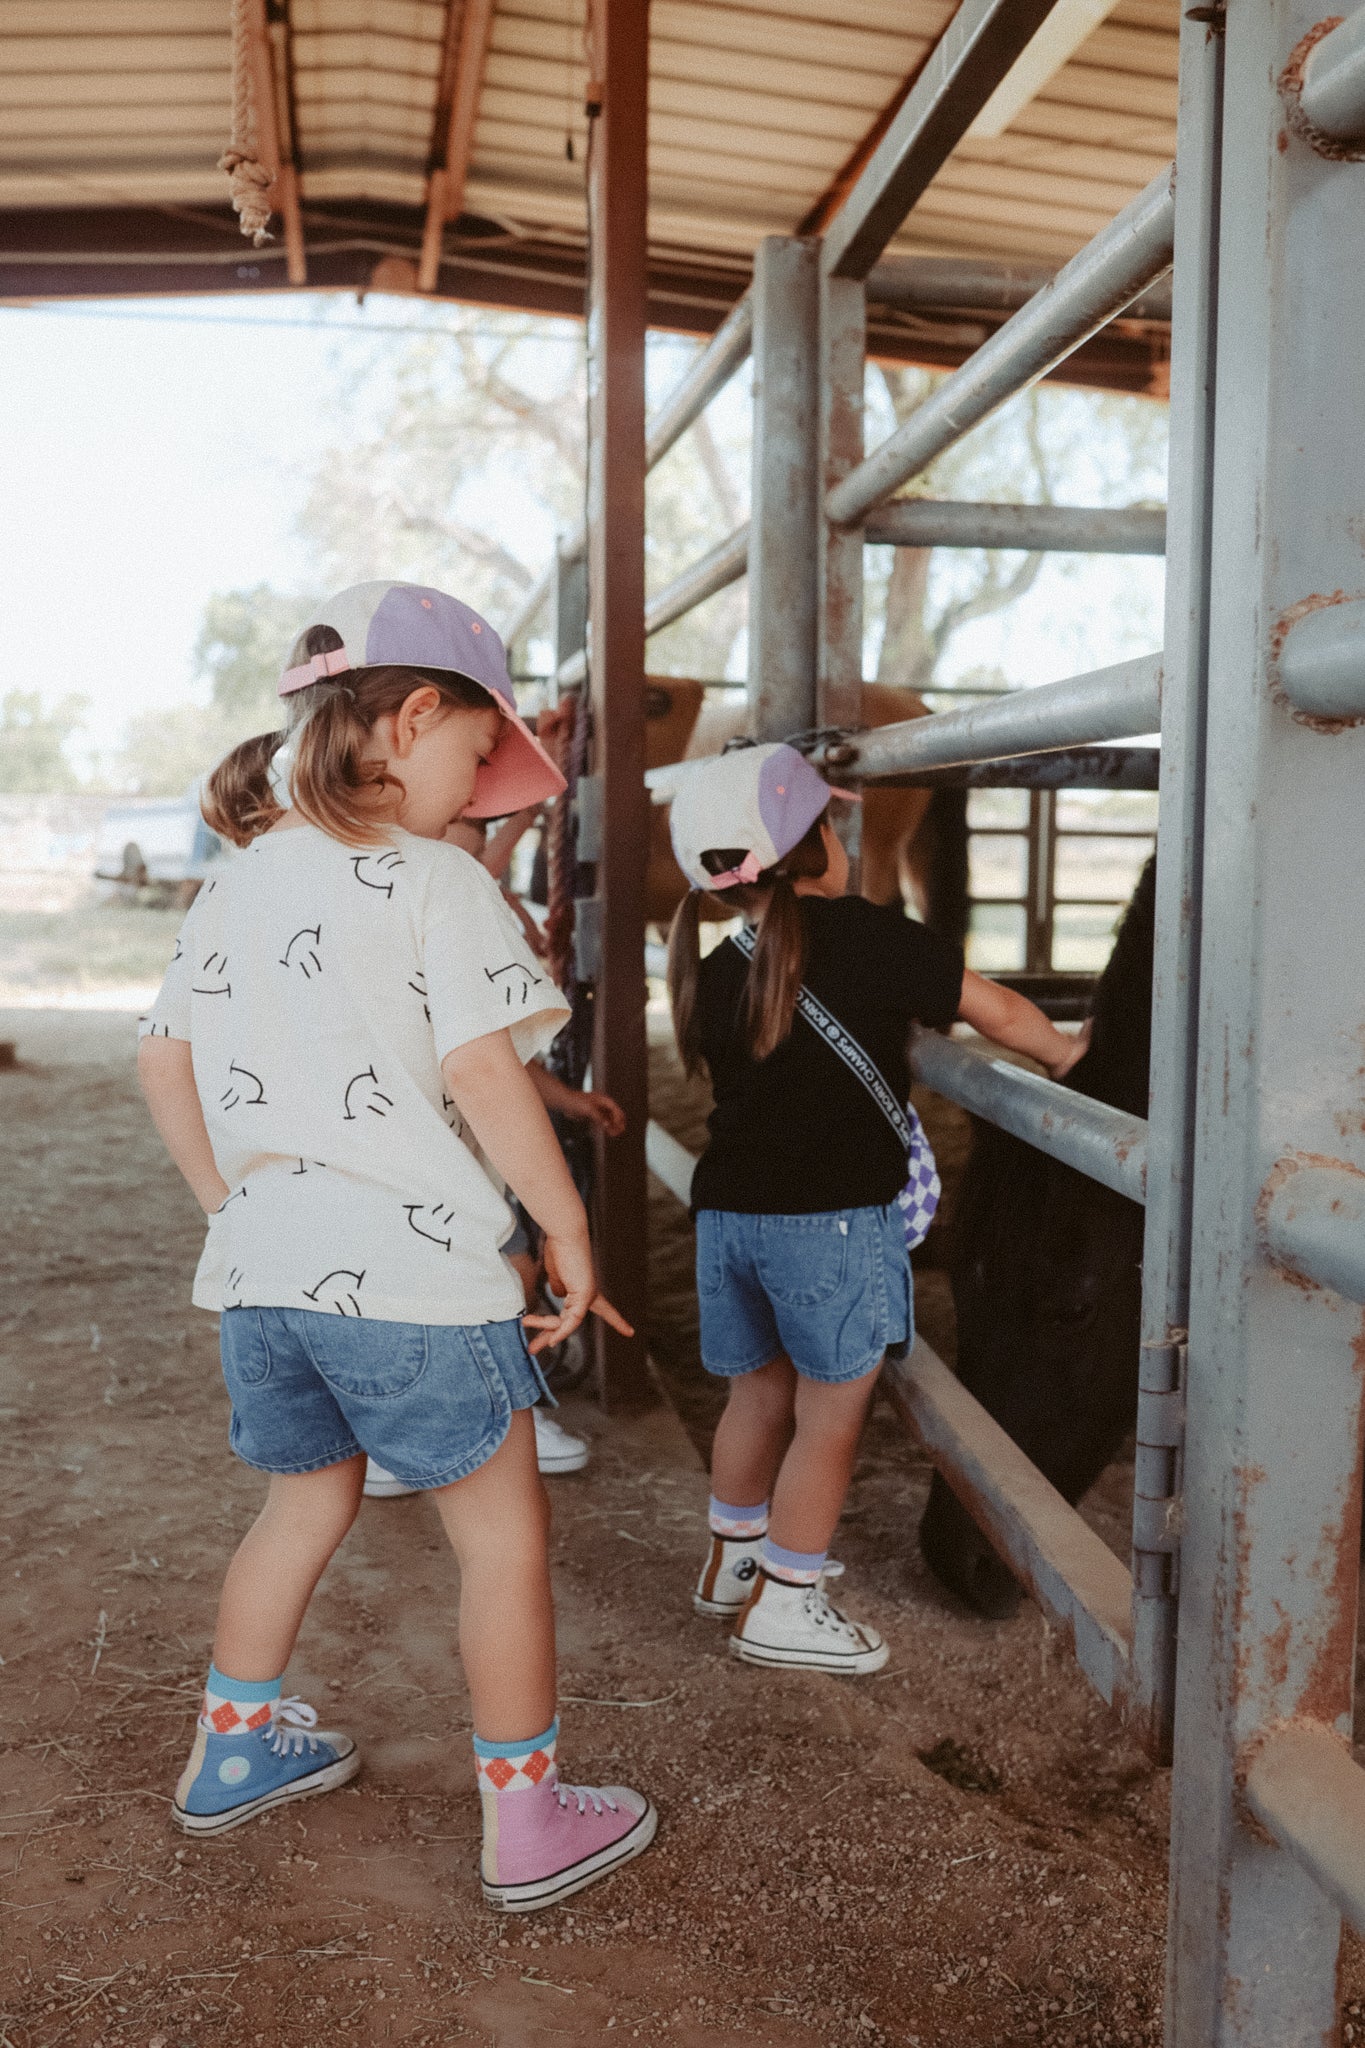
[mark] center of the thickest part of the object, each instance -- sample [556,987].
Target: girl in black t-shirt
[803,1276]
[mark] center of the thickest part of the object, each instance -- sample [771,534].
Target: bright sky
[154,452]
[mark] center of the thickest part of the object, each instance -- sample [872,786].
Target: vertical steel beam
[569,597]
[619,32]
[1175,987]
[783,520]
[1269,1564]
[843,362]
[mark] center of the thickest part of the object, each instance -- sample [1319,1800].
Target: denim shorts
[830,1290]
[429,1402]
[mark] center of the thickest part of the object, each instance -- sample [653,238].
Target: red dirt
[815,1881]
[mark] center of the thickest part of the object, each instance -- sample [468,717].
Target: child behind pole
[803,1277]
[347,997]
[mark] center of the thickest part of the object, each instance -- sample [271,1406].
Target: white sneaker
[727,1577]
[381,1485]
[796,1625]
[556,1450]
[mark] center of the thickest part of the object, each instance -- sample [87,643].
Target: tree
[1101,449]
[33,743]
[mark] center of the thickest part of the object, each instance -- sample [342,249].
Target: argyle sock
[734,1523]
[234,1706]
[517,1792]
[793,1567]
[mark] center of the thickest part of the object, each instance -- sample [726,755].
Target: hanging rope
[249,176]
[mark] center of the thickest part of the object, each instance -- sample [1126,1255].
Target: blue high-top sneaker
[232,1778]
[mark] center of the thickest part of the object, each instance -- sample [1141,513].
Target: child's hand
[573,1277]
[1076,1049]
[601,1110]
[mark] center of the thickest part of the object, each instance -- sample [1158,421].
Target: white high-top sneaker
[796,1625]
[727,1577]
[556,1449]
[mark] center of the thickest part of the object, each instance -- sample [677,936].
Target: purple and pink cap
[409,625]
[762,799]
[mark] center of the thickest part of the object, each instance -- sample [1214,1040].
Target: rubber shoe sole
[325,1780]
[859,1664]
[541,1892]
[572,1461]
[388,1489]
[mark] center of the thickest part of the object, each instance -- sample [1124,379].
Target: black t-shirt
[797,1132]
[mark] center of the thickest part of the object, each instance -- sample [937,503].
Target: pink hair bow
[315,671]
[749,870]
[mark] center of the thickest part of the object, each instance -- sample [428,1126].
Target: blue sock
[735,1522]
[793,1567]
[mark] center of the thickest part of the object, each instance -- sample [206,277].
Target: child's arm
[166,1071]
[581,1104]
[497,855]
[499,1102]
[1012,1020]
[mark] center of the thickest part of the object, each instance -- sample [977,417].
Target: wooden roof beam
[274,135]
[469,26]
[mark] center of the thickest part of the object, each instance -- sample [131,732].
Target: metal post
[570,601]
[1269,1565]
[843,358]
[782,541]
[616,607]
[1040,881]
[1175,987]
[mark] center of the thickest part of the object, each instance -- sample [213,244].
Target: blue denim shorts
[429,1402]
[832,1290]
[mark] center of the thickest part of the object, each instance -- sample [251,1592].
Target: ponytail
[238,802]
[334,779]
[684,967]
[778,966]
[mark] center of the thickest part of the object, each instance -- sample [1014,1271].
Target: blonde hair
[335,783]
[779,962]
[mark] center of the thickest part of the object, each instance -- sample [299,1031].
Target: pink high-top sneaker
[543,1841]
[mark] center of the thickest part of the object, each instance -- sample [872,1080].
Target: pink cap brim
[520,773]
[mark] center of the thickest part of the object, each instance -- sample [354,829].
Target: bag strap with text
[840,1040]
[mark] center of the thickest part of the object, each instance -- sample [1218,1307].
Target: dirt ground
[962,1849]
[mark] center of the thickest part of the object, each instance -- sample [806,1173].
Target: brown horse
[911,838]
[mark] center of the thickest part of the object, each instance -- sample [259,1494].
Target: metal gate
[1230,1641]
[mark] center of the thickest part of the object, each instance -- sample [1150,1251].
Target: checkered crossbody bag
[919,1198]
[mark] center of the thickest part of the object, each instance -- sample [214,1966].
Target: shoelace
[290,1725]
[584,1793]
[821,1608]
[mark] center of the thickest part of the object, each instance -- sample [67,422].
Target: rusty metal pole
[619,41]
[1269,1557]
[785,493]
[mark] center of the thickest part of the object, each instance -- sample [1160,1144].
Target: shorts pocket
[710,1251]
[245,1351]
[802,1260]
[378,1361]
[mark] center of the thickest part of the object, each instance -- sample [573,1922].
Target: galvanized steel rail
[1064,529]
[1105,1143]
[1109,273]
[1105,704]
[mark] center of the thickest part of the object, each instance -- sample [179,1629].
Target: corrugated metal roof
[755,108]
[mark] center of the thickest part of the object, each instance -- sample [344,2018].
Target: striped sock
[733,1523]
[234,1706]
[793,1567]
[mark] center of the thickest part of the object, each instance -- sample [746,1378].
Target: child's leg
[251,1751]
[809,1495]
[498,1522]
[277,1567]
[788,1620]
[753,1433]
[750,1441]
[541,1842]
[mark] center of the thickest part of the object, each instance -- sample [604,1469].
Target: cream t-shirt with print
[320,987]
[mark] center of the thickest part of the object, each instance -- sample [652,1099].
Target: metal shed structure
[813,182]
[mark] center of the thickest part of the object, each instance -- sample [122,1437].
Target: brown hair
[334,785]
[779,962]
